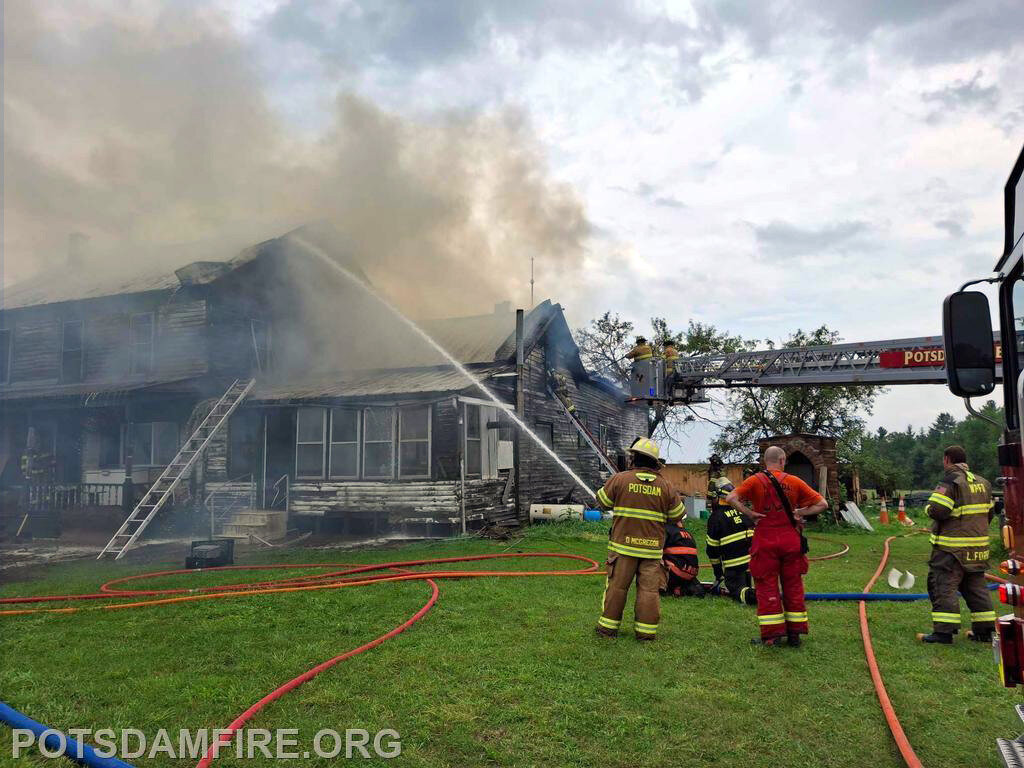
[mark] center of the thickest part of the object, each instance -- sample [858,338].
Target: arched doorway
[798,464]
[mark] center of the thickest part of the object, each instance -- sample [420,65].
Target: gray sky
[761,166]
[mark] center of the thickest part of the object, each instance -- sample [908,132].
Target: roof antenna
[531,282]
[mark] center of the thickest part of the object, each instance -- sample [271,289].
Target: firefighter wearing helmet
[641,502]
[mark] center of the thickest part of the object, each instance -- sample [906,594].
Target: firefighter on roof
[728,540]
[961,508]
[641,501]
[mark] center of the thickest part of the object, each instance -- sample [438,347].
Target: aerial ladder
[916,360]
[162,490]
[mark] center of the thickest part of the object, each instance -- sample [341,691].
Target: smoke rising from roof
[147,125]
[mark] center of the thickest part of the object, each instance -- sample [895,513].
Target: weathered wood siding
[401,502]
[179,339]
[692,479]
[36,349]
[542,479]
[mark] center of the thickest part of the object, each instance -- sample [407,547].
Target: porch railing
[60,496]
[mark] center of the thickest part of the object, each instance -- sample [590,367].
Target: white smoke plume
[145,125]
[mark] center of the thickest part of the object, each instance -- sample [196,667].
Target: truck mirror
[967,336]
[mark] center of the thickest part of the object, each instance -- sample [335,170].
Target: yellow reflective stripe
[639,514]
[647,629]
[603,498]
[646,476]
[713,542]
[945,618]
[623,549]
[736,537]
[609,623]
[941,499]
[676,511]
[972,509]
[960,541]
[643,356]
[771,618]
[983,616]
[801,616]
[715,561]
[733,562]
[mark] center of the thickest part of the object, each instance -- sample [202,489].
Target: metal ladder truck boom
[917,360]
[154,499]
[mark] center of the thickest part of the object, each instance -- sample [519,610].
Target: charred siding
[543,480]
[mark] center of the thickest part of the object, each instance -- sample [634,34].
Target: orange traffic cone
[901,514]
[883,513]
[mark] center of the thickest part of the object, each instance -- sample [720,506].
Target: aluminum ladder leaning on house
[584,433]
[155,498]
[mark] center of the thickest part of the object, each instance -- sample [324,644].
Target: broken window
[260,332]
[414,441]
[344,443]
[546,432]
[474,445]
[245,444]
[310,432]
[71,351]
[378,442]
[5,355]
[140,343]
[153,444]
[109,431]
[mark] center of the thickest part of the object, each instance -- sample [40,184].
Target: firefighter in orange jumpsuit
[641,501]
[778,504]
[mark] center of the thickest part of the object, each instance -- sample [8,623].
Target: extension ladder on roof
[158,495]
[584,433]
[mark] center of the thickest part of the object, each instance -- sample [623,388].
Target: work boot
[643,637]
[768,641]
[943,638]
[981,636]
[793,639]
[605,632]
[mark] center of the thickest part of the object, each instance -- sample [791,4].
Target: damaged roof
[380,383]
[165,268]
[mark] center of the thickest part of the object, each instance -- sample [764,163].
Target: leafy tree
[913,460]
[604,343]
[759,413]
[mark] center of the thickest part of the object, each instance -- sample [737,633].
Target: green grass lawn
[509,672]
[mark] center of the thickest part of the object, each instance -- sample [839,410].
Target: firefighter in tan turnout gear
[961,508]
[641,501]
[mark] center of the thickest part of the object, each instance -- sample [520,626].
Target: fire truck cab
[971,368]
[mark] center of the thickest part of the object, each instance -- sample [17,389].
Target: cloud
[951,227]
[413,37]
[962,95]
[781,239]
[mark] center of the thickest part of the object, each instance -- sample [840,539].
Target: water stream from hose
[430,341]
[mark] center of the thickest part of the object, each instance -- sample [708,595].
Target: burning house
[336,416]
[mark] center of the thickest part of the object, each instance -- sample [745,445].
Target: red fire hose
[906,751]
